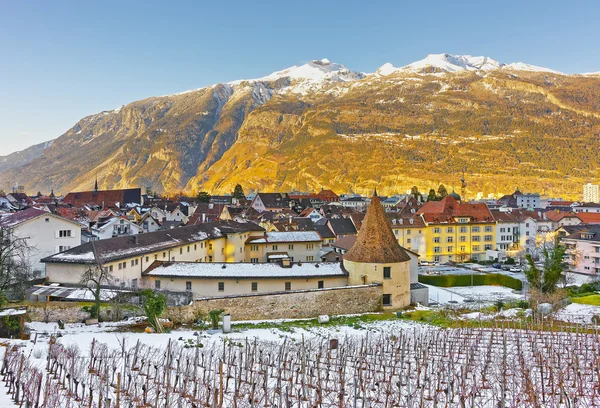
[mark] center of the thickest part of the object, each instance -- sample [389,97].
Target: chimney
[135,239]
[203,217]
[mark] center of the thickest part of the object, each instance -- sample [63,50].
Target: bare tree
[94,278]
[15,271]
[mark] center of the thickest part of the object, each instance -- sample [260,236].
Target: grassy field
[593,300]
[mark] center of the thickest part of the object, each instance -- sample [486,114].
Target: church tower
[376,257]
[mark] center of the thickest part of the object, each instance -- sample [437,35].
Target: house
[562,218]
[125,258]
[355,203]
[149,223]
[311,213]
[271,202]
[507,232]
[44,233]
[341,227]
[296,246]
[589,217]
[19,200]
[583,250]
[457,231]
[105,198]
[586,208]
[207,212]
[229,212]
[326,234]
[327,196]
[115,227]
[521,200]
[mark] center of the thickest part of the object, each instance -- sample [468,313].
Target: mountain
[323,125]
[23,157]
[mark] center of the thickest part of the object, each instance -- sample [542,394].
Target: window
[210,258]
[134,283]
[195,247]
[253,247]
[63,248]
[488,238]
[450,230]
[450,249]
[407,232]
[462,238]
[502,229]
[436,258]
[110,268]
[47,219]
[437,249]
[387,272]
[462,248]
[309,258]
[254,260]
[408,241]
[221,286]
[288,286]
[157,284]
[310,246]
[254,286]
[64,233]
[387,300]
[487,247]
[132,262]
[476,238]
[155,257]
[464,229]
[527,224]
[449,239]
[188,248]
[436,230]
[475,229]
[188,285]
[210,246]
[274,247]
[436,239]
[475,247]
[488,228]
[164,254]
[290,246]
[320,284]
[147,259]
[180,251]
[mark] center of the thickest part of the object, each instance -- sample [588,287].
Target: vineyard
[418,367]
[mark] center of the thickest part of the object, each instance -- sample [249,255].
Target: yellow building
[456,231]
[376,257]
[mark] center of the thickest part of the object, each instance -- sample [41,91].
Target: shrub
[154,306]
[509,261]
[522,304]
[214,317]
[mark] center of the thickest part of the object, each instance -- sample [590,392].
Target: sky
[63,60]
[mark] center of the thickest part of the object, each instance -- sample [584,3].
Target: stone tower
[376,257]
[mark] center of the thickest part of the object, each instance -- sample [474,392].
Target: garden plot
[480,295]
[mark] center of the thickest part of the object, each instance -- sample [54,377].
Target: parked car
[497,266]
[515,269]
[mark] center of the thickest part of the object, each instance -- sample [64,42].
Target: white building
[591,193]
[297,246]
[45,233]
[116,227]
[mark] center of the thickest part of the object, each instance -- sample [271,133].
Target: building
[295,246]
[127,257]
[591,193]
[586,207]
[376,257]
[583,249]
[410,232]
[355,203]
[44,233]
[457,231]
[115,227]
[224,279]
[521,200]
[271,202]
[105,198]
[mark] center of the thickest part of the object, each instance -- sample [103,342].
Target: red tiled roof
[589,218]
[107,198]
[448,209]
[557,215]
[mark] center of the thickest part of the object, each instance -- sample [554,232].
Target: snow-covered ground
[481,295]
[578,313]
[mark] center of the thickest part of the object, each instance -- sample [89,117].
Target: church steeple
[96,185]
[375,193]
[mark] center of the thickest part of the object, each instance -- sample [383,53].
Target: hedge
[448,281]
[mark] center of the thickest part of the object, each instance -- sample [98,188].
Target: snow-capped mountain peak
[456,63]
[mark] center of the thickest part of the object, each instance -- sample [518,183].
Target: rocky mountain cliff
[323,125]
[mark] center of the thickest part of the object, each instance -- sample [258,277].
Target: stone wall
[287,305]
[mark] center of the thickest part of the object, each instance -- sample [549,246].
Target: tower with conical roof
[376,257]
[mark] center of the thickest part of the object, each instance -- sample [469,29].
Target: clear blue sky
[61,61]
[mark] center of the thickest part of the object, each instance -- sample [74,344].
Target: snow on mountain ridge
[457,63]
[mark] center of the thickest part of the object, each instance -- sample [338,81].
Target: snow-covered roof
[288,236]
[201,270]
[112,249]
